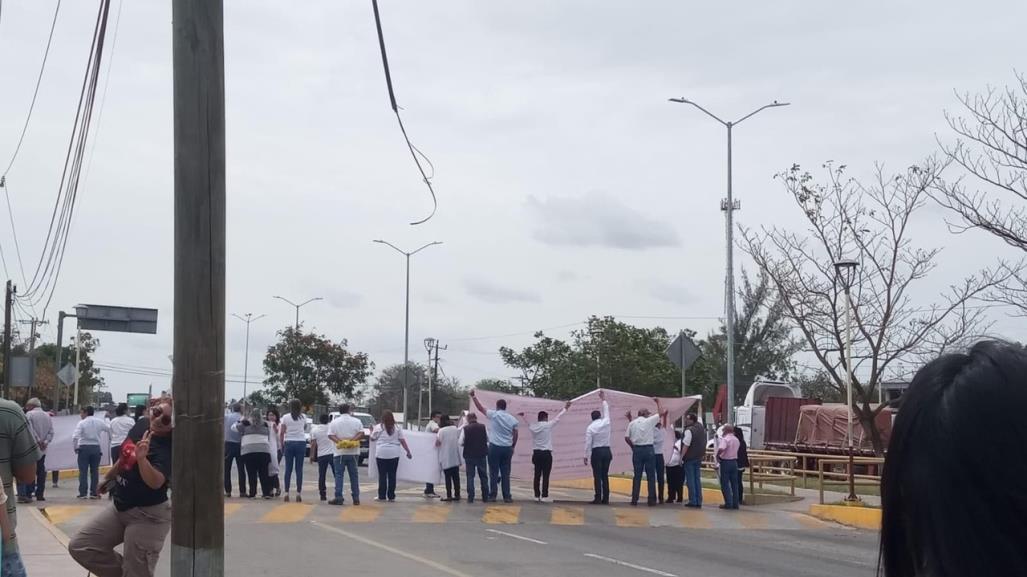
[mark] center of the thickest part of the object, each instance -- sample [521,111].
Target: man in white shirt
[346,431]
[41,427]
[432,427]
[87,442]
[120,425]
[542,450]
[597,447]
[640,435]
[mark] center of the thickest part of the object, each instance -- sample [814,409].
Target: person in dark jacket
[475,441]
[743,461]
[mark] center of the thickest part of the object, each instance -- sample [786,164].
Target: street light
[406,325]
[246,363]
[846,271]
[729,206]
[298,306]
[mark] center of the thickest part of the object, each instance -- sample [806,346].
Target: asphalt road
[426,538]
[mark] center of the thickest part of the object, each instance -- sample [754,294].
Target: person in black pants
[743,462]
[233,452]
[542,450]
[597,447]
[676,473]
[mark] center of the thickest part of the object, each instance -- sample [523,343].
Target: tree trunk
[868,420]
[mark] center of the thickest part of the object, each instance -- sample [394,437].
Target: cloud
[497,294]
[342,298]
[670,293]
[597,219]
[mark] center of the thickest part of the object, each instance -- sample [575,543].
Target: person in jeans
[502,441]
[448,443]
[727,460]
[640,435]
[475,440]
[255,451]
[140,515]
[345,433]
[597,447]
[676,472]
[389,444]
[292,432]
[19,456]
[694,442]
[233,448]
[87,442]
[41,427]
[542,450]
[120,425]
[322,452]
[432,427]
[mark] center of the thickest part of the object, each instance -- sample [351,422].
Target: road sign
[682,352]
[67,374]
[117,319]
[136,399]
[23,370]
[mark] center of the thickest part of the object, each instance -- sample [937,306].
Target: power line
[14,230]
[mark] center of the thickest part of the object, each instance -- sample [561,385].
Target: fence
[764,468]
[858,480]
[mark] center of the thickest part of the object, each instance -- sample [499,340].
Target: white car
[365,443]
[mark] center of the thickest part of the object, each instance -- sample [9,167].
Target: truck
[770,413]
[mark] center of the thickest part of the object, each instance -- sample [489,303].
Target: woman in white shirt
[676,471]
[389,445]
[292,433]
[272,418]
[448,442]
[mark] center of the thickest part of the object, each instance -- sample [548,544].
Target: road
[569,538]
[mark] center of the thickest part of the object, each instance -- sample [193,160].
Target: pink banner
[569,433]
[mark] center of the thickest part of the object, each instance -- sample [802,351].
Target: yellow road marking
[568,516]
[287,513]
[631,518]
[231,508]
[360,514]
[63,513]
[694,519]
[432,514]
[752,520]
[501,515]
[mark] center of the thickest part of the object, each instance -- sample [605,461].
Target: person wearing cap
[41,427]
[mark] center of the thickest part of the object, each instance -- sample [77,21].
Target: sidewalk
[44,549]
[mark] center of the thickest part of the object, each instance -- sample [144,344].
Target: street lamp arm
[240,318]
[258,318]
[286,300]
[308,301]
[708,113]
[433,243]
[396,248]
[774,104]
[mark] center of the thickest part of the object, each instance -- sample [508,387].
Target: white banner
[60,455]
[424,467]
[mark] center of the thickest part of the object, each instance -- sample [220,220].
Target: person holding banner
[389,442]
[694,442]
[640,437]
[542,450]
[660,462]
[475,441]
[597,446]
[502,441]
[448,442]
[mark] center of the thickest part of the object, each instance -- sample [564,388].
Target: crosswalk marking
[501,515]
[360,514]
[753,520]
[631,518]
[231,508]
[567,516]
[63,513]
[287,513]
[432,514]
[694,519]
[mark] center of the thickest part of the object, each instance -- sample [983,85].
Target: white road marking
[522,538]
[394,551]
[631,565]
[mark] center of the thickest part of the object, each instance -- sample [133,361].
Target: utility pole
[61,315]
[32,345]
[8,303]
[198,382]
[78,359]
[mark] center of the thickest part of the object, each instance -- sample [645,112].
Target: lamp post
[406,323]
[729,205]
[246,363]
[846,271]
[298,306]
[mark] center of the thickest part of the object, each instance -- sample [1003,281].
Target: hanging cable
[414,152]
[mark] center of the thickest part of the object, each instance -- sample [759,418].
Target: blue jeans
[499,466]
[88,469]
[39,486]
[643,458]
[12,566]
[729,483]
[693,480]
[477,465]
[295,452]
[342,464]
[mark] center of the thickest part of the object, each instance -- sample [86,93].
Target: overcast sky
[567,184]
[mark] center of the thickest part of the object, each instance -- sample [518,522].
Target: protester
[86,441]
[233,447]
[275,447]
[941,517]
[41,427]
[658,440]
[727,463]
[448,442]
[597,447]
[120,425]
[345,433]
[322,451]
[140,413]
[694,442]
[19,459]
[292,433]
[432,427]
[502,442]
[255,451]
[640,437]
[676,472]
[140,516]
[475,441]
[542,450]
[743,463]
[389,443]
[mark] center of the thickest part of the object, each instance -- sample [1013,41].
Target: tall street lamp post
[729,205]
[298,307]
[249,318]
[406,323]
[846,271]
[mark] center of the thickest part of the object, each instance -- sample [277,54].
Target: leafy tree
[311,368]
[499,386]
[45,384]
[818,385]
[448,395]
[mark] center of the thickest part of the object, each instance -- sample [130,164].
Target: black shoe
[24,500]
[445,500]
[470,500]
[228,495]
[606,501]
[652,503]
[726,507]
[337,502]
[595,502]
[40,498]
[634,503]
[356,502]
[324,498]
[299,498]
[505,500]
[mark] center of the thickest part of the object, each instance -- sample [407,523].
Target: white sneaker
[545,500]
[538,499]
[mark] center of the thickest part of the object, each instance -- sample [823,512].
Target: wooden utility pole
[198,382]
[8,303]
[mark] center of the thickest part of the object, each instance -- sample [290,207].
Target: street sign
[682,352]
[23,371]
[136,399]
[117,319]
[67,375]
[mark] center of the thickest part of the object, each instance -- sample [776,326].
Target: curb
[73,474]
[44,520]
[868,518]
[622,486]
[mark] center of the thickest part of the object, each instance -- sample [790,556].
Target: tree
[45,384]
[311,368]
[991,148]
[499,386]
[847,219]
[448,395]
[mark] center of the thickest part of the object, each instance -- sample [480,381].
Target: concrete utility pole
[198,384]
[60,353]
[729,206]
[33,323]
[78,359]
[8,303]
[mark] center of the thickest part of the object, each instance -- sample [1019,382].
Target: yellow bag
[347,444]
